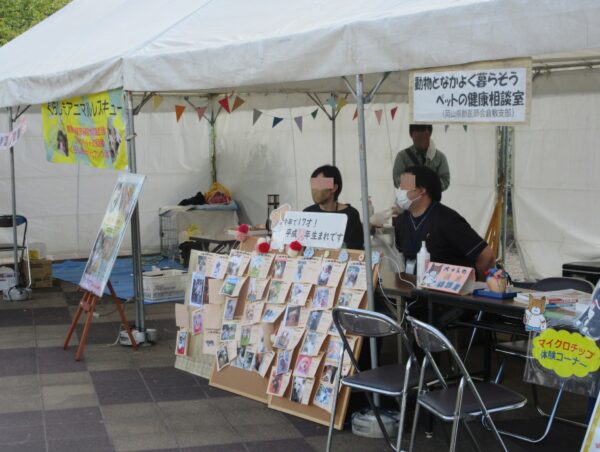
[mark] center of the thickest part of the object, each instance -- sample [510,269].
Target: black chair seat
[386,379]
[517,348]
[495,398]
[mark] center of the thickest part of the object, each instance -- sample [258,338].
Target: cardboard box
[41,273]
[164,285]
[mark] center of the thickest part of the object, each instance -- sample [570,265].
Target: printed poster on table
[111,233]
[492,93]
[87,129]
[313,229]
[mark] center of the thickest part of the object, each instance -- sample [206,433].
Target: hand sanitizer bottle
[423,259]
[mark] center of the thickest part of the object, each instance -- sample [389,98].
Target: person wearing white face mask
[448,236]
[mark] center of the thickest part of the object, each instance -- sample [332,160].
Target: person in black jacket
[326,201]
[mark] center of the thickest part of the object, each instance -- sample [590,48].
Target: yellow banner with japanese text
[567,354]
[86,129]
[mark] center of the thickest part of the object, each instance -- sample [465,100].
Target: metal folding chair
[394,380]
[464,401]
[519,349]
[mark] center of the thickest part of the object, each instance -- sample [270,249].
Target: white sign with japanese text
[8,140]
[498,95]
[317,230]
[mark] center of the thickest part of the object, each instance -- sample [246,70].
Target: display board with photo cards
[256,365]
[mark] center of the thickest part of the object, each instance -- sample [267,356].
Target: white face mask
[402,199]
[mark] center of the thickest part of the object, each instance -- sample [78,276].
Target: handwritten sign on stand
[448,278]
[313,229]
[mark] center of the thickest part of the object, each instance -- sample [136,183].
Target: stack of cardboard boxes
[41,272]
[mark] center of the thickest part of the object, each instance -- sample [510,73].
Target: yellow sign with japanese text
[566,353]
[87,129]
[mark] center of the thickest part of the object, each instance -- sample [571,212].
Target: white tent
[226,45]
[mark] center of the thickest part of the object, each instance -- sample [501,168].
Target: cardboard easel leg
[113,294]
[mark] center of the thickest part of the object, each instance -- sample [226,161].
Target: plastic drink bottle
[423,258]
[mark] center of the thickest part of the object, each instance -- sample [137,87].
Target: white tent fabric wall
[65,204]
[556,164]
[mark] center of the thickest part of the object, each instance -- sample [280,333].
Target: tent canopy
[220,45]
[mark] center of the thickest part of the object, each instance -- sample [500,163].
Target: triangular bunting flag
[179,111]
[225,104]
[446,127]
[355,114]
[331,101]
[156,101]
[276,120]
[298,121]
[200,111]
[237,103]
[393,112]
[341,103]
[378,115]
[314,113]
[465,127]
[255,115]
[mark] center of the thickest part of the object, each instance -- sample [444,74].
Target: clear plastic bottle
[423,258]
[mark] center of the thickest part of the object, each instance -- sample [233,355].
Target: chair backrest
[6,221]
[432,340]
[361,322]
[561,283]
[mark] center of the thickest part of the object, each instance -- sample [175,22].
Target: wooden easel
[88,304]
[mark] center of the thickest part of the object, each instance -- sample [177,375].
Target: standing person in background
[423,152]
[326,186]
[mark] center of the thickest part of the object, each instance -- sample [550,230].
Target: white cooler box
[164,285]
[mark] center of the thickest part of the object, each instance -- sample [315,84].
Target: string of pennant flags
[233,102]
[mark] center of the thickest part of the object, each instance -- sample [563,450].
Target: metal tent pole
[506,188]
[14,200]
[333,117]
[362,152]
[213,139]
[136,248]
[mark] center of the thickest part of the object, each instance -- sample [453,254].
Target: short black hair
[419,128]
[330,171]
[427,179]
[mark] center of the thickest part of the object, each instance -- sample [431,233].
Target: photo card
[306,365]
[219,266]
[256,289]
[226,353]
[232,286]
[299,293]
[350,298]
[210,341]
[334,349]
[323,297]
[228,331]
[246,332]
[252,313]
[283,361]
[248,360]
[237,263]
[329,373]
[272,312]
[279,264]
[314,318]
[278,291]
[330,273]
[324,396]
[355,276]
[292,316]
[301,389]
[260,265]
[197,321]
[312,343]
[198,290]
[203,263]
[278,383]
[182,343]
[229,309]
[265,361]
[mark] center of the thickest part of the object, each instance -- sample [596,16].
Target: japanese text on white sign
[470,96]
[319,230]
[8,140]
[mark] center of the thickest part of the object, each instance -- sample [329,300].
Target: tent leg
[136,248]
[362,152]
[14,201]
[333,117]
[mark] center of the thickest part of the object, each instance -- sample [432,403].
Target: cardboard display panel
[271,337]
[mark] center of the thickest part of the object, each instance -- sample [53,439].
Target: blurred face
[322,189]
[421,139]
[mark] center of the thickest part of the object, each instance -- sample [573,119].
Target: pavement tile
[93,444]
[59,397]
[283,445]
[17,316]
[73,416]
[57,360]
[17,337]
[52,316]
[18,361]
